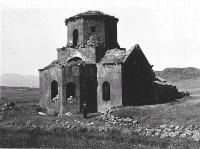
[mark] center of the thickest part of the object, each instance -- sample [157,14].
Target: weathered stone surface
[172,134]
[183,135]
[164,134]
[177,132]
[127,120]
[163,126]
[176,128]
[126,131]
[172,126]
[190,127]
[138,130]
[188,132]
[157,132]
[196,135]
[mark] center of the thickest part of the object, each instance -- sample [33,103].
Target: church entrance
[88,87]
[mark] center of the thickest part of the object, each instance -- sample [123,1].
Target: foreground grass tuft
[78,138]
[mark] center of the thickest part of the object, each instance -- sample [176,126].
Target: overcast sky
[168,31]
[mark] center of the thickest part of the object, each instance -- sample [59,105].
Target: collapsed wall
[164,92]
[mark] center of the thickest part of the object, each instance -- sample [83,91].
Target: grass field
[14,130]
[18,94]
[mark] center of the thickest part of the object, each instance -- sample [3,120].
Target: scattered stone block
[163,126]
[42,113]
[188,132]
[176,127]
[172,134]
[157,132]
[164,135]
[183,135]
[127,120]
[138,130]
[196,136]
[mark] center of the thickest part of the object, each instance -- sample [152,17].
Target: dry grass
[18,94]
[60,138]
[181,112]
[184,111]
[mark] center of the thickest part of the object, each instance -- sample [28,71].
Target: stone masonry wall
[71,26]
[71,75]
[100,30]
[86,54]
[164,92]
[46,78]
[112,74]
[111,34]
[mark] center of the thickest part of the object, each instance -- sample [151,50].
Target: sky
[168,31]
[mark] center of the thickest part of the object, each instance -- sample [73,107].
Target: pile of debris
[115,120]
[71,99]
[55,99]
[8,106]
[190,132]
[132,126]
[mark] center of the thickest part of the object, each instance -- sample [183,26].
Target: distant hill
[17,80]
[179,74]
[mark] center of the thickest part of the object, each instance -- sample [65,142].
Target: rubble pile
[8,106]
[132,126]
[164,130]
[115,120]
[71,99]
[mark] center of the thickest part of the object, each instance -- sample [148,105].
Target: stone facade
[113,74]
[92,68]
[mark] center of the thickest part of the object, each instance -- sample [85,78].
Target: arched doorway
[54,89]
[70,89]
[75,37]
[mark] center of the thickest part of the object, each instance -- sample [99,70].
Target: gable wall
[137,80]
[112,74]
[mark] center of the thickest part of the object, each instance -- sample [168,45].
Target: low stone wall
[166,92]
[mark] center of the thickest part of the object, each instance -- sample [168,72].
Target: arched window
[106,91]
[54,89]
[75,37]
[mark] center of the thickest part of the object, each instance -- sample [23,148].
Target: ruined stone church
[93,68]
